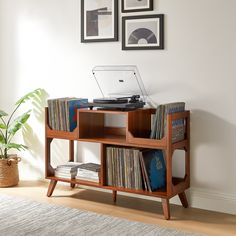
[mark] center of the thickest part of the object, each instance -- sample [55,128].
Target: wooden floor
[147,211]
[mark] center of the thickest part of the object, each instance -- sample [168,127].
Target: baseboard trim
[197,198]
[213,201]
[202,199]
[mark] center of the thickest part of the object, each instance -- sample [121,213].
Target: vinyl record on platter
[110,100]
[142,33]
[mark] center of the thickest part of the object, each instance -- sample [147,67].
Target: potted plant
[9,126]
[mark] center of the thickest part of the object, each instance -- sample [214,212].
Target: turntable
[121,88]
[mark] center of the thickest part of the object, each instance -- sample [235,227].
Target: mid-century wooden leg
[166,208]
[51,187]
[114,194]
[183,199]
[72,185]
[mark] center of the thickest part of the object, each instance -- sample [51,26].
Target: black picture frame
[143,32]
[90,30]
[136,6]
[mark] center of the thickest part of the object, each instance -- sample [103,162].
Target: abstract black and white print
[142,32]
[99,20]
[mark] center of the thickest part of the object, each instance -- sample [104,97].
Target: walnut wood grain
[166,208]
[114,195]
[51,187]
[183,199]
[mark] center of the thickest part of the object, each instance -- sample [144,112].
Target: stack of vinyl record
[159,127]
[123,168]
[135,169]
[62,112]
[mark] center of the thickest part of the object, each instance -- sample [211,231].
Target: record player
[121,88]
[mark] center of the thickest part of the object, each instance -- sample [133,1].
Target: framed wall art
[143,32]
[136,5]
[99,20]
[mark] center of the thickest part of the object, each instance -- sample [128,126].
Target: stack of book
[67,171]
[62,112]
[88,172]
[159,127]
[135,169]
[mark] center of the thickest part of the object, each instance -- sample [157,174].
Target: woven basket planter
[9,175]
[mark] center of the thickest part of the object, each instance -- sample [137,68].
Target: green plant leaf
[9,127]
[2,139]
[18,123]
[19,147]
[3,126]
[32,95]
[3,113]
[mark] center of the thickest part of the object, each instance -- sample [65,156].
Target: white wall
[40,47]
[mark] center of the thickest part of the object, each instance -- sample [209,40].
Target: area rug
[22,217]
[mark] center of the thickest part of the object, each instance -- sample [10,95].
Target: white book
[88,179]
[64,177]
[62,171]
[60,175]
[82,173]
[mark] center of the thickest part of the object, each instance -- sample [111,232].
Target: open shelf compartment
[92,126]
[140,125]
